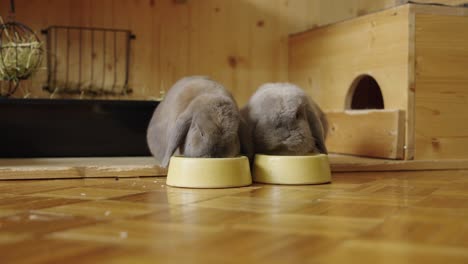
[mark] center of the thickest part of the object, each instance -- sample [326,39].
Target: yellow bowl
[209,172]
[311,169]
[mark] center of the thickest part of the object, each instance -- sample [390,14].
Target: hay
[20,56]
[19,60]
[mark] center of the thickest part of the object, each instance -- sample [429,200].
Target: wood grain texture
[327,68]
[347,163]
[424,74]
[53,168]
[133,167]
[240,43]
[371,133]
[322,65]
[387,217]
[441,81]
[410,119]
[436,2]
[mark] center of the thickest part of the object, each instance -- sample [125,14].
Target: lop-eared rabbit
[199,118]
[284,121]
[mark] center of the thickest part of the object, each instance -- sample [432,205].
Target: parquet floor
[398,217]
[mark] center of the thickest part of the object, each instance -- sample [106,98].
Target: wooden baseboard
[345,163]
[122,167]
[71,168]
[436,2]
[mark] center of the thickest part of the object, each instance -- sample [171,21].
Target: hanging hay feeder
[20,54]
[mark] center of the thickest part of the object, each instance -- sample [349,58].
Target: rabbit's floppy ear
[319,127]
[177,135]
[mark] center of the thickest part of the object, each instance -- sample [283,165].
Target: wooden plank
[441,82]
[123,18]
[348,163]
[337,10]
[210,20]
[436,2]
[141,23]
[439,10]
[371,133]
[302,15]
[369,6]
[410,122]
[78,168]
[313,13]
[239,59]
[174,42]
[53,168]
[268,46]
[155,90]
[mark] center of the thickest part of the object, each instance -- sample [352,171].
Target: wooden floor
[397,217]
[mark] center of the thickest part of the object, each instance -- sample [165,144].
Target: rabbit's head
[209,128]
[200,118]
[213,131]
[285,121]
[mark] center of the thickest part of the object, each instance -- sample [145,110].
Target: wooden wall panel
[441,87]
[174,43]
[241,43]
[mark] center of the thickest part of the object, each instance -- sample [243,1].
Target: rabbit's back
[277,99]
[184,92]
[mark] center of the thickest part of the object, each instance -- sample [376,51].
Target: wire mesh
[88,60]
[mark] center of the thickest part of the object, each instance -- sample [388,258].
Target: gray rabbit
[198,117]
[283,120]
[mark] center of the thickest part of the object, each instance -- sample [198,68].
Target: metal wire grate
[88,60]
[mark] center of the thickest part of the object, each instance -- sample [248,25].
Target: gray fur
[284,121]
[198,117]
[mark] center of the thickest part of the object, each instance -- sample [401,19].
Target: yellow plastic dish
[209,172]
[311,169]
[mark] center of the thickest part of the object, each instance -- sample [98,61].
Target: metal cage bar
[59,41]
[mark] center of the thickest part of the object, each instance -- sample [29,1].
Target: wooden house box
[411,62]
